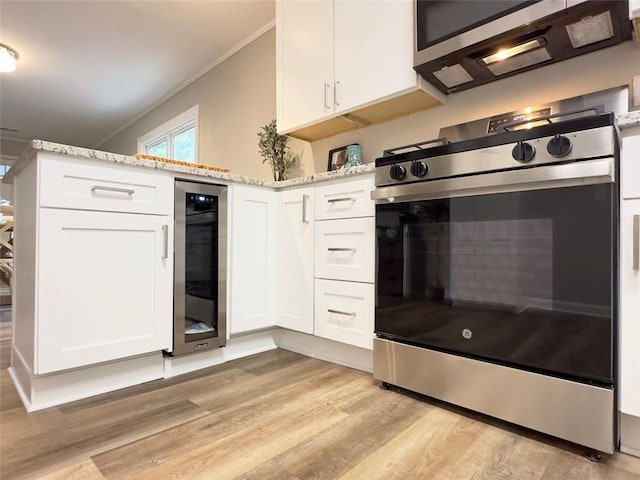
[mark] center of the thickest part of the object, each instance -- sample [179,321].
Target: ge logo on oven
[467,334]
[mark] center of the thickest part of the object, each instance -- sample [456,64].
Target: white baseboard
[182,364]
[630,434]
[237,347]
[44,391]
[244,345]
[323,349]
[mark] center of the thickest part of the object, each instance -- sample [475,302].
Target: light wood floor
[276,415]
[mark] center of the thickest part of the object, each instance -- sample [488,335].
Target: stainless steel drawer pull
[325,89]
[336,249]
[128,191]
[340,312]
[343,199]
[304,208]
[165,242]
[636,242]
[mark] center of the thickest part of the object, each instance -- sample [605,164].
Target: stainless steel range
[497,267]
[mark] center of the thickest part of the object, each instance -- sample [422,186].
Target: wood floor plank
[5,345]
[564,465]
[426,447]
[498,454]
[77,441]
[81,471]
[133,460]
[335,450]
[243,449]
[9,398]
[222,397]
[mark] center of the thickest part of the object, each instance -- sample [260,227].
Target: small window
[177,138]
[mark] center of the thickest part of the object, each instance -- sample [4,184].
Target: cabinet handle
[340,312]
[128,191]
[343,199]
[165,242]
[336,249]
[636,242]
[338,86]
[326,95]
[304,208]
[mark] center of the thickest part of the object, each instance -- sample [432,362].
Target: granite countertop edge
[628,120]
[44,146]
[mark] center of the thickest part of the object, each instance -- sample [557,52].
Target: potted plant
[274,149]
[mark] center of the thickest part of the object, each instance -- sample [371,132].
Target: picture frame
[337,158]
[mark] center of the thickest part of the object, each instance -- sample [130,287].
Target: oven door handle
[554,176]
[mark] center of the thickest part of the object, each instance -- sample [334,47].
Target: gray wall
[235,99]
[11,147]
[238,96]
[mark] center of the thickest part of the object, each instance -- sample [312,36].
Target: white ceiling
[86,68]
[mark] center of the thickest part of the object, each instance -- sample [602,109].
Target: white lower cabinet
[344,312]
[630,307]
[345,262]
[295,250]
[99,308]
[253,258]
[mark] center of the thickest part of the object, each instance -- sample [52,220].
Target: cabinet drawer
[345,200]
[344,312]
[345,249]
[88,185]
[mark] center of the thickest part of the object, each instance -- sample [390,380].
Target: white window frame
[168,130]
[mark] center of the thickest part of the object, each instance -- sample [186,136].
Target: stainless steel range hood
[515,37]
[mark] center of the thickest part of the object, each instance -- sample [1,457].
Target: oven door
[502,269]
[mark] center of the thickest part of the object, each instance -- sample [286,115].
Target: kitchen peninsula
[94,292]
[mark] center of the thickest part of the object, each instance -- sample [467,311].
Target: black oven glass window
[201,266]
[522,278]
[438,20]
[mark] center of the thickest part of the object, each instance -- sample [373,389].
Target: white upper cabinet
[343,63]
[305,61]
[373,55]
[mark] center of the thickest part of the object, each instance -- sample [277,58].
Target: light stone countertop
[628,120]
[42,146]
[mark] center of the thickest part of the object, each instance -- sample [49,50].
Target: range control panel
[497,123]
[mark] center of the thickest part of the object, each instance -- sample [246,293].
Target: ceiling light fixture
[8,57]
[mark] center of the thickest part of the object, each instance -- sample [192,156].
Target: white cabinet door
[105,287]
[304,49]
[630,308]
[295,260]
[253,258]
[373,53]
[344,312]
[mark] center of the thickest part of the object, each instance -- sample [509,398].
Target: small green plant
[274,149]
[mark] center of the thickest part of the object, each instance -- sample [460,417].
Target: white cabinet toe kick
[579,413]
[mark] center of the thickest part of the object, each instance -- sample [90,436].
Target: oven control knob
[398,172]
[419,168]
[523,152]
[559,146]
